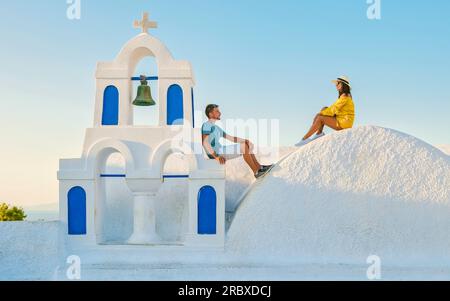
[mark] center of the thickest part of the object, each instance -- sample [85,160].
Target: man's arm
[234,139]
[210,151]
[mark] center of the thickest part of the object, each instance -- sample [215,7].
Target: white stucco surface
[318,216]
[28,250]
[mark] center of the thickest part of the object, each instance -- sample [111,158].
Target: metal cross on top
[145,23]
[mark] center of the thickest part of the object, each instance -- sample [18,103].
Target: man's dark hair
[209,109]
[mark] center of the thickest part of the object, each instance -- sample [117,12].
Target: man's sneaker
[267,167]
[263,171]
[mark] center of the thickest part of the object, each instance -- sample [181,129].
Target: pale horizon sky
[257,59]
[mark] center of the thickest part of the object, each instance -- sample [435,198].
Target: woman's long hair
[345,90]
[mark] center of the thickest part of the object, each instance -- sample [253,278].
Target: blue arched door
[77,211]
[175,113]
[207,211]
[110,115]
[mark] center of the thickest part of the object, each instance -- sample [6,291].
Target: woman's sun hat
[342,79]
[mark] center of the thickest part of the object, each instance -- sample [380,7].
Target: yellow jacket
[344,111]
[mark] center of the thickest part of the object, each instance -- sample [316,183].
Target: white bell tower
[145,150]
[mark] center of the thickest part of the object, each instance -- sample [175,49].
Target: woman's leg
[320,131]
[320,122]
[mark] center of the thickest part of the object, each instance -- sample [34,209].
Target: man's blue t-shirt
[214,133]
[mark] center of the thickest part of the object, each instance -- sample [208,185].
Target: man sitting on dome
[211,135]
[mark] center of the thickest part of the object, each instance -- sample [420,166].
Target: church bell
[144,94]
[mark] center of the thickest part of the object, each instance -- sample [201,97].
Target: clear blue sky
[257,59]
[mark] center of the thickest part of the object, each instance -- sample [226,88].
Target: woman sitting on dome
[340,116]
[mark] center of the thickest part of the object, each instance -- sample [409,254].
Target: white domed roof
[349,195]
